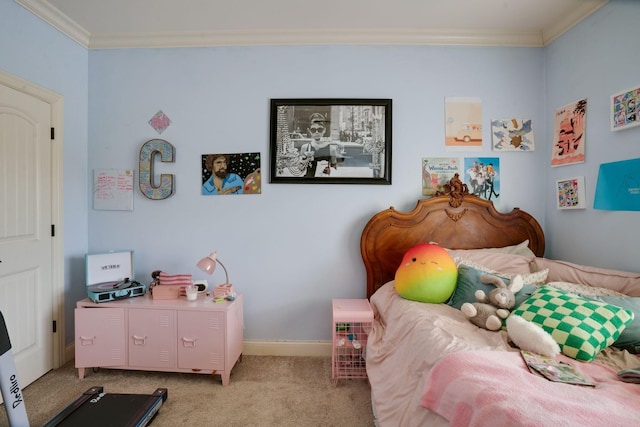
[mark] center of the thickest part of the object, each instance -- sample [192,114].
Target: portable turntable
[110,276]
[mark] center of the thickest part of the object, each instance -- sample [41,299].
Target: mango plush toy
[427,274]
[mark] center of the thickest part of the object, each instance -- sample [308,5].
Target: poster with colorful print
[624,109]
[512,135]
[482,176]
[463,127]
[436,172]
[569,134]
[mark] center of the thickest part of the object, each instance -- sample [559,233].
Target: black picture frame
[330,141]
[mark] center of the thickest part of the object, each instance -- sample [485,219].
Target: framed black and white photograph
[330,141]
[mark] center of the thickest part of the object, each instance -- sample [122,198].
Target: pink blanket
[167,279]
[482,388]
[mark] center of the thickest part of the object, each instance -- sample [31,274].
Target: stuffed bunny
[488,312]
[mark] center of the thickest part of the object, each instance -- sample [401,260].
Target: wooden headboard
[453,220]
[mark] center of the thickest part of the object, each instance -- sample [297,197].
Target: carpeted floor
[263,391]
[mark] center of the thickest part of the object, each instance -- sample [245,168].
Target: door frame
[56,101]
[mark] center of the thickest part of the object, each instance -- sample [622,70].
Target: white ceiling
[155,23]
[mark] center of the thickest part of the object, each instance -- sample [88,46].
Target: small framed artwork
[330,141]
[624,109]
[225,174]
[570,193]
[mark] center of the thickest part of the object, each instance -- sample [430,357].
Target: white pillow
[580,289]
[519,249]
[494,260]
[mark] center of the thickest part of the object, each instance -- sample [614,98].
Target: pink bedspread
[482,388]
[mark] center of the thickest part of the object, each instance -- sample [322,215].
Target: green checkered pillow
[582,327]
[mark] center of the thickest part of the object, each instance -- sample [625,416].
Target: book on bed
[555,370]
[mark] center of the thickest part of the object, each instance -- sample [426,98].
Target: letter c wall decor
[145,178]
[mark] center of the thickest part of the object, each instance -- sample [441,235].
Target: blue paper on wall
[618,187]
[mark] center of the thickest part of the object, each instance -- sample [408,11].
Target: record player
[110,277]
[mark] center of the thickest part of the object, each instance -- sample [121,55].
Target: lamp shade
[208,265]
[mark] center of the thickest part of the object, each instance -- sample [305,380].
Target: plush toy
[427,274]
[489,311]
[531,337]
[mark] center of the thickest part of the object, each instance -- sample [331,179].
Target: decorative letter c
[145,179]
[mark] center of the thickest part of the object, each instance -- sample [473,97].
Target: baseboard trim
[264,348]
[287,348]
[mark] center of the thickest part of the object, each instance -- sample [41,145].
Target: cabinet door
[152,338]
[100,337]
[201,340]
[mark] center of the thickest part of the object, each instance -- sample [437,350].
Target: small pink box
[165,292]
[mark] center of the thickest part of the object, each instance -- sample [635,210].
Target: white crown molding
[567,22]
[393,36]
[52,15]
[315,37]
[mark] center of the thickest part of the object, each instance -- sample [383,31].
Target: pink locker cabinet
[202,336]
[101,338]
[195,352]
[152,336]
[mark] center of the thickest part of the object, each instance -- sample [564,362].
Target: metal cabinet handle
[87,340]
[138,340]
[188,342]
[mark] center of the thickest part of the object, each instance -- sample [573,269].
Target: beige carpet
[264,391]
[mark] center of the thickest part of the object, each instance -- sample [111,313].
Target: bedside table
[141,333]
[352,322]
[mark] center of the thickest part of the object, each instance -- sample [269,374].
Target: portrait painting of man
[224,174]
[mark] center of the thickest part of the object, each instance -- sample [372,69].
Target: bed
[429,366]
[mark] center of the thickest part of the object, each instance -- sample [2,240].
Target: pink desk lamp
[208,265]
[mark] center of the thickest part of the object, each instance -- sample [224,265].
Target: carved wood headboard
[454,220]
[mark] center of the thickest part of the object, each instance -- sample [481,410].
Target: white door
[25,231]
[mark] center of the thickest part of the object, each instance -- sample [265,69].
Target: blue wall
[596,59]
[294,247]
